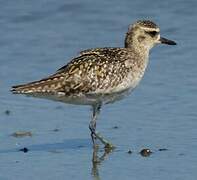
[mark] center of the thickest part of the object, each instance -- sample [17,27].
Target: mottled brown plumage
[98,70]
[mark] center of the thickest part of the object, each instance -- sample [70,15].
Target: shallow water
[38,37]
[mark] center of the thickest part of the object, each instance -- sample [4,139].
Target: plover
[101,75]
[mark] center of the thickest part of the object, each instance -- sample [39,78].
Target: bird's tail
[50,84]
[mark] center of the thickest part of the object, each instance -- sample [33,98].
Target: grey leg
[92,127]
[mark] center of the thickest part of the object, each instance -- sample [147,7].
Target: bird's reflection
[98,159]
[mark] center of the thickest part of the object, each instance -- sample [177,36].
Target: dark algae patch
[56,130]
[163,149]
[7,112]
[25,150]
[115,127]
[129,151]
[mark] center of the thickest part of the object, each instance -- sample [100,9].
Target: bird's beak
[166,41]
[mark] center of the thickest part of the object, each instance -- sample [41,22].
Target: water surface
[38,37]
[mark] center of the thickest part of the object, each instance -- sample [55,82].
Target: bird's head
[145,34]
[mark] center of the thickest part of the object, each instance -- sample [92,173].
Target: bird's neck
[141,55]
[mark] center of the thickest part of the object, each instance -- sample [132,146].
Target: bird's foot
[108,146]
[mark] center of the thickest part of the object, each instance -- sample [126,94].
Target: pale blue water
[38,37]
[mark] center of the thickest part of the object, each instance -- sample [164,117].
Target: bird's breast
[134,75]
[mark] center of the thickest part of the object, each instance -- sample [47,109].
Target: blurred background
[38,37]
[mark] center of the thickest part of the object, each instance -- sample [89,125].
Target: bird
[100,76]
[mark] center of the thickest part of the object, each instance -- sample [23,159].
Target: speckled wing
[94,70]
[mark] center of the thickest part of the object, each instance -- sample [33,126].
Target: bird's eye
[152,33]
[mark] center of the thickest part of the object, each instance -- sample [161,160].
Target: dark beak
[167,41]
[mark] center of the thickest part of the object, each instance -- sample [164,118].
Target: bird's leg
[92,127]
